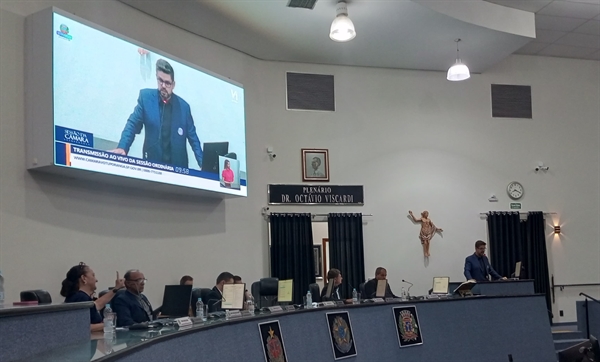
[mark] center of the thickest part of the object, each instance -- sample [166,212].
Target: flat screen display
[124,109]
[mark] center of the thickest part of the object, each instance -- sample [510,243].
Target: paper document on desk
[381,287]
[233,296]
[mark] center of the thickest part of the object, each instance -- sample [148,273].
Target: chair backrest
[361,289]
[264,292]
[204,292]
[315,292]
[42,296]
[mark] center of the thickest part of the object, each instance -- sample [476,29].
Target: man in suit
[336,276]
[477,266]
[214,298]
[131,305]
[167,121]
[371,285]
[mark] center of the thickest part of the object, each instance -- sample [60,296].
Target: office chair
[196,293]
[265,292]
[42,296]
[204,292]
[315,292]
[361,289]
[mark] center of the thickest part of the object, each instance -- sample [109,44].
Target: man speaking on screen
[167,120]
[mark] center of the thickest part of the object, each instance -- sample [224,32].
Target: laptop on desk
[440,286]
[176,301]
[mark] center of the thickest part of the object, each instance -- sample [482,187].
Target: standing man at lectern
[477,266]
[371,285]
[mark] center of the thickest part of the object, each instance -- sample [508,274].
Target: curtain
[512,240]
[536,257]
[346,250]
[505,241]
[292,251]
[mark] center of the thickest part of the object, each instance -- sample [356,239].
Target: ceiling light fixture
[458,71]
[342,28]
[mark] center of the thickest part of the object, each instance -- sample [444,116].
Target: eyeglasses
[166,83]
[141,280]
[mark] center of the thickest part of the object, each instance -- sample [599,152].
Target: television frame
[39,108]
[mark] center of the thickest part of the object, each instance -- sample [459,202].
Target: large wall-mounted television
[100,105]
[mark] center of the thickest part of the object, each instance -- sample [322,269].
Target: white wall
[413,139]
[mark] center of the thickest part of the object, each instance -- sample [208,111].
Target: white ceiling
[417,34]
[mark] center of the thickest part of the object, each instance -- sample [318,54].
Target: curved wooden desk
[29,330]
[468,329]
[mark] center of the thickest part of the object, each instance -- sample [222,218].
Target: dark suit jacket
[147,115]
[474,270]
[371,289]
[213,299]
[128,308]
[336,293]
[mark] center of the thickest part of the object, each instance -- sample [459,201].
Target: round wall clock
[515,190]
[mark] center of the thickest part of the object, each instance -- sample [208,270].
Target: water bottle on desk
[404,295]
[354,296]
[109,319]
[308,300]
[200,312]
[250,303]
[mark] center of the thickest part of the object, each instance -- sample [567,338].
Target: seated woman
[80,284]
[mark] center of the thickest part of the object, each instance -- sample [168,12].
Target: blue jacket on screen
[475,270]
[147,115]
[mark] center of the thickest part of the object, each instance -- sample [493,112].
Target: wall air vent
[303,4]
[511,101]
[310,92]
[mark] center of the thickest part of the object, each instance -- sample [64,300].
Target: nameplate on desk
[394,300]
[275,309]
[183,321]
[339,302]
[247,313]
[329,304]
[235,314]
[378,300]
[289,308]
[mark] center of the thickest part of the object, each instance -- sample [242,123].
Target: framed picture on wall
[318,261]
[315,164]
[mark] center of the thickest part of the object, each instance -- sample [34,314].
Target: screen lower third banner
[315,195]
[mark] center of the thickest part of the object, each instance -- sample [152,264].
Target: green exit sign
[515,206]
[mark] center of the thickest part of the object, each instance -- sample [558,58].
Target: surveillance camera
[537,169]
[273,155]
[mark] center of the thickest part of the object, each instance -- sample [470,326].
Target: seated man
[371,285]
[214,298]
[131,305]
[247,295]
[477,266]
[186,280]
[336,275]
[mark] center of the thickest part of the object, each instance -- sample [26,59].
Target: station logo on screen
[63,32]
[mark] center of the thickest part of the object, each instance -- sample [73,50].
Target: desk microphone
[407,282]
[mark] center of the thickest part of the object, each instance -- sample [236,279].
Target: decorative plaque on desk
[272,341]
[342,338]
[407,326]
